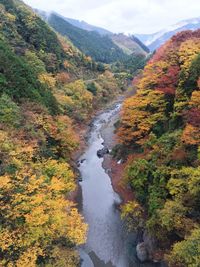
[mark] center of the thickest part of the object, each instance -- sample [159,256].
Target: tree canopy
[160,127]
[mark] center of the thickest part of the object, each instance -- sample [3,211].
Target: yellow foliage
[29,257]
[11,17]
[64,100]
[187,53]
[133,213]
[82,100]
[195,99]
[152,73]
[47,79]
[137,120]
[33,202]
[6,239]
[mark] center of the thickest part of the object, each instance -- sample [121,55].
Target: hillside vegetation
[159,135]
[100,48]
[130,44]
[43,94]
[114,49]
[78,23]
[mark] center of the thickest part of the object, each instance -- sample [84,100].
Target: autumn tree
[160,131]
[35,214]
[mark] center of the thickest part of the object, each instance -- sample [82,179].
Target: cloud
[133,16]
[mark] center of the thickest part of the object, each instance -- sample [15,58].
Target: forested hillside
[106,48]
[80,24]
[159,135]
[100,48]
[42,96]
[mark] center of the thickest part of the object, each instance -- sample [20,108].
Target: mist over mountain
[78,23]
[100,44]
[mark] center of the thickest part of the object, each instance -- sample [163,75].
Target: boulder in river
[79,162]
[80,179]
[102,152]
[142,253]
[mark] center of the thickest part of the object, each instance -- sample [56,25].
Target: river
[108,244]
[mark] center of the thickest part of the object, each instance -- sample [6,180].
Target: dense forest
[100,48]
[159,137]
[47,86]
[104,48]
[51,85]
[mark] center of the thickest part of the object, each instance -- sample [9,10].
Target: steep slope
[129,44]
[100,48]
[77,23]
[42,98]
[88,27]
[159,134]
[108,48]
[50,57]
[154,41]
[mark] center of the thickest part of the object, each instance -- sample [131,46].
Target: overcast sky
[129,16]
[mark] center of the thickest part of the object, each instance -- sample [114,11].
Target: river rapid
[108,244]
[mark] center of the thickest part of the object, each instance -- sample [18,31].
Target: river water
[108,244]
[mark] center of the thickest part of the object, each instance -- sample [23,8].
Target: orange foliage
[62,77]
[191,135]
[158,87]
[137,119]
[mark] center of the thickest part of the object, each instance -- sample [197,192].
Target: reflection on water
[107,243]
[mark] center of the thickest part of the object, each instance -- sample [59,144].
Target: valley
[99,143]
[108,243]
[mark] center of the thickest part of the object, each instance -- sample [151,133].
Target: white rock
[142,252]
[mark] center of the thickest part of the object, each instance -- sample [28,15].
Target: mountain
[88,27]
[137,54]
[100,48]
[80,24]
[154,41]
[103,47]
[129,44]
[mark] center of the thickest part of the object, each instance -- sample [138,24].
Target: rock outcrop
[102,152]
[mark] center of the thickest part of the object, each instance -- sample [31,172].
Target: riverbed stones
[141,251]
[79,162]
[102,152]
[80,179]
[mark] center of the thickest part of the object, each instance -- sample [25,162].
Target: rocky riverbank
[115,170]
[146,249]
[112,167]
[83,131]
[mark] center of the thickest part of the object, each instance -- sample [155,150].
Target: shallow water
[107,242]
